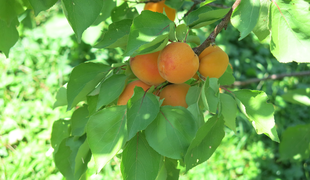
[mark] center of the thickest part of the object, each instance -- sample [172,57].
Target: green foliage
[146,140]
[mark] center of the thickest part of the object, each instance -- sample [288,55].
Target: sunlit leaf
[229,110]
[61,98]
[41,5]
[106,134]
[245,17]
[123,12]
[298,96]
[8,36]
[61,129]
[139,160]
[254,105]
[79,120]
[261,29]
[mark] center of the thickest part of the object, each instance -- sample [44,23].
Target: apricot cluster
[161,7]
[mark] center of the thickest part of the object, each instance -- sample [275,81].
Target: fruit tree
[165,105]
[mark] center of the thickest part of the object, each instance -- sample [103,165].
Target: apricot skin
[159,7]
[214,64]
[177,62]
[175,95]
[208,50]
[145,68]
[129,90]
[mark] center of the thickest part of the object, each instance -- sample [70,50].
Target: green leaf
[197,113]
[92,102]
[116,36]
[204,16]
[142,110]
[181,32]
[227,78]
[81,14]
[111,89]
[175,4]
[123,12]
[229,111]
[70,161]
[261,29]
[79,120]
[8,36]
[172,32]
[146,28]
[107,7]
[245,17]
[254,105]
[171,167]
[295,141]
[41,5]
[9,11]
[193,95]
[210,94]
[61,98]
[139,160]
[83,80]
[106,134]
[290,22]
[208,138]
[298,96]
[156,45]
[172,131]
[61,129]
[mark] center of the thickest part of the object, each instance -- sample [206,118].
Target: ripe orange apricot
[175,95]
[160,7]
[214,62]
[177,62]
[145,68]
[129,90]
[208,50]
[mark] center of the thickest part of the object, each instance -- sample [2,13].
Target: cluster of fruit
[176,63]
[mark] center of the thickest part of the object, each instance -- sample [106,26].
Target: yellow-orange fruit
[177,62]
[214,64]
[145,68]
[208,50]
[175,95]
[160,7]
[129,90]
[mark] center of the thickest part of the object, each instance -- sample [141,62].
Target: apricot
[177,62]
[129,90]
[160,7]
[175,95]
[145,68]
[213,62]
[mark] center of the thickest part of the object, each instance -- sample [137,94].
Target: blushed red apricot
[175,95]
[177,62]
[145,68]
[129,90]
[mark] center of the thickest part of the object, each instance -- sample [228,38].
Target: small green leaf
[146,28]
[92,102]
[172,32]
[229,111]
[172,131]
[116,36]
[61,98]
[79,120]
[61,129]
[142,110]
[254,105]
[171,167]
[181,31]
[261,29]
[123,12]
[107,7]
[208,138]
[81,14]
[295,141]
[290,22]
[204,16]
[298,96]
[175,4]
[68,157]
[106,134]
[211,91]
[245,17]
[41,5]
[8,36]
[110,89]
[83,80]
[227,78]
[139,160]
[193,95]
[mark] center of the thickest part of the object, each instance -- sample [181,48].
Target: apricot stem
[223,24]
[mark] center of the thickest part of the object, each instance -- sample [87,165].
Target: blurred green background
[41,62]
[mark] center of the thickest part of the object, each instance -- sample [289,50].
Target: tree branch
[271,77]
[217,30]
